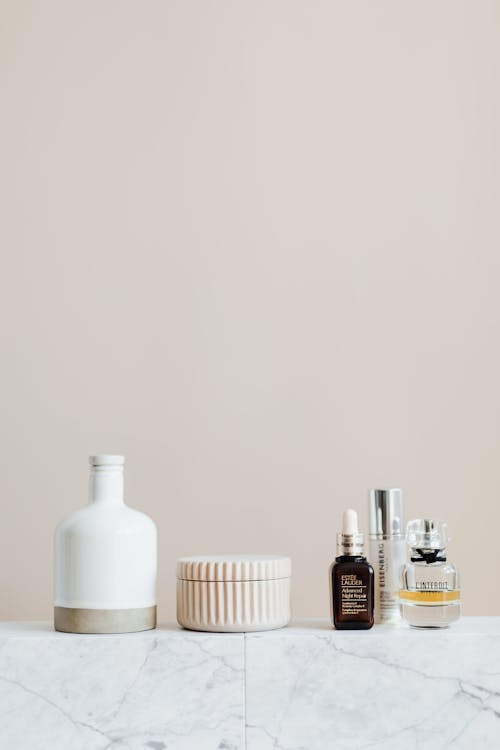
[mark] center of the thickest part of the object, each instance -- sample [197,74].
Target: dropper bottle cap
[350,541]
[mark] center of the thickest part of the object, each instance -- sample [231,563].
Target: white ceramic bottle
[105,560]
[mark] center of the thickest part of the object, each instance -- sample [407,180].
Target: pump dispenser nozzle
[349,540]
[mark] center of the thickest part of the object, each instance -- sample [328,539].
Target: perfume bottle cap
[386,512]
[425,533]
[350,539]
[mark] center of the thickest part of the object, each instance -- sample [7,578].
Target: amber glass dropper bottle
[352,579]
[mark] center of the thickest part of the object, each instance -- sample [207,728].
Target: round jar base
[229,629]
[233,606]
[102,621]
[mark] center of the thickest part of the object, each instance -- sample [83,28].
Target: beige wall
[255,247]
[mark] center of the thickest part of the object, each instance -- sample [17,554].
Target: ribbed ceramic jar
[233,593]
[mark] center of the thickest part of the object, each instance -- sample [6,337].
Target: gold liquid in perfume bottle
[430,588]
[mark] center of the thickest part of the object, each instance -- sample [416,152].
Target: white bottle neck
[106,485]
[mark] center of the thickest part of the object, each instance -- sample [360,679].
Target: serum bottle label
[353,595]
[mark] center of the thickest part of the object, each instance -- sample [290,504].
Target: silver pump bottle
[387,550]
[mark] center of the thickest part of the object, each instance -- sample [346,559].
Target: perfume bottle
[105,560]
[430,589]
[352,584]
[387,551]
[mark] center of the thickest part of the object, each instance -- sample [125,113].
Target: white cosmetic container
[233,593]
[386,551]
[105,560]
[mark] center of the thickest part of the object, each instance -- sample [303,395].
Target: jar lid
[233,567]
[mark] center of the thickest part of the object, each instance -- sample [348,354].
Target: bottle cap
[350,539]
[106,459]
[386,512]
[425,533]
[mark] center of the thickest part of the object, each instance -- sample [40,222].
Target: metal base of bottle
[99,621]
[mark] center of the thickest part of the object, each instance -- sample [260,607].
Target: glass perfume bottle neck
[427,556]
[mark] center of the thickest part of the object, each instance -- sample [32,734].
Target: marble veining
[170,690]
[390,690]
[305,687]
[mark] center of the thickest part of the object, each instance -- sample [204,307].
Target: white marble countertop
[306,627]
[305,687]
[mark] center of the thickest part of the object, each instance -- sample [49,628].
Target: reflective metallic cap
[386,512]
